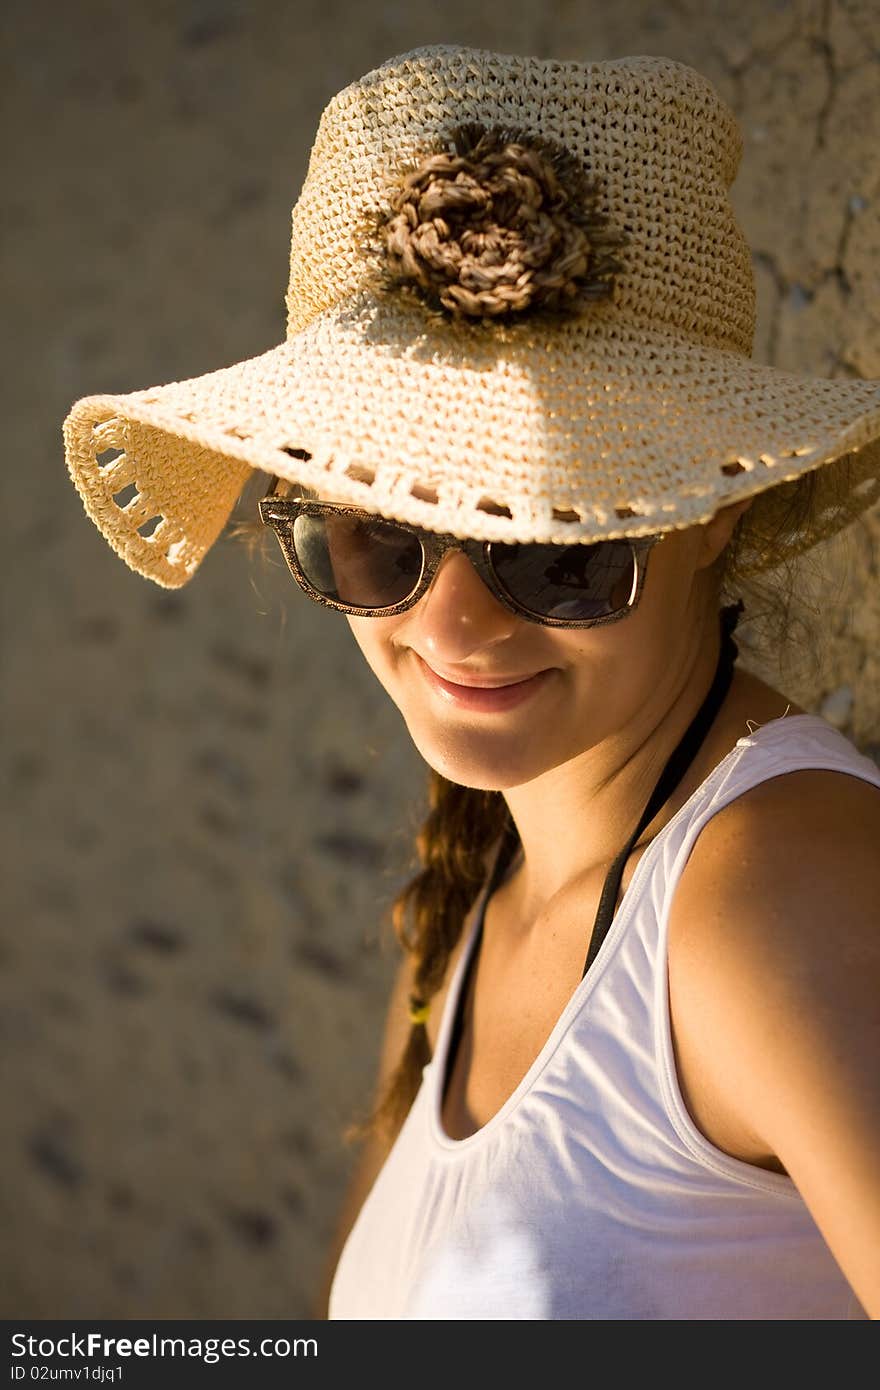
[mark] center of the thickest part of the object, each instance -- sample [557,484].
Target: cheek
[628,664]
[660,630]
[375,637]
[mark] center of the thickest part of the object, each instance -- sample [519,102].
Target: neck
[574,819]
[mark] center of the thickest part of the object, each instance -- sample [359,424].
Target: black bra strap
[679,761]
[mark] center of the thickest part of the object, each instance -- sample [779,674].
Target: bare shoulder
[808,826]
[774,978]
[785,877]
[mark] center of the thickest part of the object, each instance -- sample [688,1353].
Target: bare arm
[373,1152]
[777,935]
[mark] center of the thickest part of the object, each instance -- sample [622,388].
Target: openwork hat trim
[214,463]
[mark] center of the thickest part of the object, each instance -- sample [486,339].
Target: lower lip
[472,697]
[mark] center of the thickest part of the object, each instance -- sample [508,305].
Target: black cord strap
[676,766]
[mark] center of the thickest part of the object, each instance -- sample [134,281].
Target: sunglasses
[364,564]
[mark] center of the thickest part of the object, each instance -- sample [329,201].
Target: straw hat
[520,308]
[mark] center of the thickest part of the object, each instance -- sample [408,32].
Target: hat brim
[566,432]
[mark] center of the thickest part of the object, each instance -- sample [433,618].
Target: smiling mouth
[495,696]
[484,682]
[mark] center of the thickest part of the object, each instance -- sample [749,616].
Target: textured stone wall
[211,800]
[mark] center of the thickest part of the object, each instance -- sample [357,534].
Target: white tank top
[591,1194]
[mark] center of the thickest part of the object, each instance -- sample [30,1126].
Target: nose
[459,615]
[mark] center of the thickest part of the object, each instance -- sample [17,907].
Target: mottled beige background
[211,800]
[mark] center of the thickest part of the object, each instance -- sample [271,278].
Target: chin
[471,758]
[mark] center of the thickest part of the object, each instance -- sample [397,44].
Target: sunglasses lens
[359,561]
[573,582]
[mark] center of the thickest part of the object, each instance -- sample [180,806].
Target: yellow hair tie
[418,1009]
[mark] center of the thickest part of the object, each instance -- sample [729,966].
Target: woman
[515,436]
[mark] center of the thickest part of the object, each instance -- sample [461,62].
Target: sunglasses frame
[279,513]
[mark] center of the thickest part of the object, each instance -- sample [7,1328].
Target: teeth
[497,685]
[481,685]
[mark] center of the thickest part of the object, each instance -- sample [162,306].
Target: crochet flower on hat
[497,225]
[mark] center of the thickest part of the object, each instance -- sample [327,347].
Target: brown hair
[763,563]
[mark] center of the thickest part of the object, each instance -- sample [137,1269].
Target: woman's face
[592,682]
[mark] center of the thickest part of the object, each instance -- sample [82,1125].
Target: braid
[428,915]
